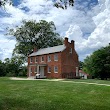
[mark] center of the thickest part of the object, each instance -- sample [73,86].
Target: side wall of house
[69,61]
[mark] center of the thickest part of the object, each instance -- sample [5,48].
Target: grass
[51,95]
[90,81]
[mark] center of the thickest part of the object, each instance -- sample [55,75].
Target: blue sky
[87,23]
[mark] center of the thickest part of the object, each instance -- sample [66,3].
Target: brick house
[54,62]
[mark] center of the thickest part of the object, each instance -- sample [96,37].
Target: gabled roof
[48,50]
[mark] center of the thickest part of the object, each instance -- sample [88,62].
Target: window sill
[55,60]
[42,61]
[49,61]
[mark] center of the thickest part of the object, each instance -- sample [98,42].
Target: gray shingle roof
[48,50]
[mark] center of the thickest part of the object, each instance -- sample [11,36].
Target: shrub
[10,74]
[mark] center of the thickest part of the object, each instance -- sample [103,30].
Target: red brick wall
[51,64]
[69,60]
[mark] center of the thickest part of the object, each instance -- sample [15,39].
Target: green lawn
[90,81]
[51,95]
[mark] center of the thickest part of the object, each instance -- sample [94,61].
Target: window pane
[70,50]
[36,70]
[31,70]
[36,59]
[56,69]
[49,58]
[49,69]
[56,57]
[42,58]
[31,59]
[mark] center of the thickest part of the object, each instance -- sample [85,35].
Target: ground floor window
[31,70]
[35,69]
[49,69]
[55,69]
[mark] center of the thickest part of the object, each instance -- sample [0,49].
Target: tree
[98,64]
[14,66]
[88,65]
[58,3]
[81,65]
[63,3]
[2,69]
[3,2]
[31,33]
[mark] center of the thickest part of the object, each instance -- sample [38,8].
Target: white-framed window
[70,50]
[36,59]
[55,57]
[49,58]
[31,59]
[42,59]
[49,69]
[31,70]
[35,70]
[55,69]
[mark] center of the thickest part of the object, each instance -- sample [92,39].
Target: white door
[41,72]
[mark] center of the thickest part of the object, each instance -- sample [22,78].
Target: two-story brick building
[54,62]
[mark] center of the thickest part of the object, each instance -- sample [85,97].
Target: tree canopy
[41,34]
[59,3]
[3,2]
[13,67]
[98,64]
[64,3]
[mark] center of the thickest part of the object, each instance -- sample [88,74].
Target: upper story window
[55,69]
[49,69]
[31,59]
[49,58]
[56,57]
[70,50]
[36,59]
[42,59]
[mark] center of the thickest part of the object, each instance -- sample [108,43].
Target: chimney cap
[66,37]
[72,41]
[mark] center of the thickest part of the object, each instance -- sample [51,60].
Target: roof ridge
[50,47]
[48,50]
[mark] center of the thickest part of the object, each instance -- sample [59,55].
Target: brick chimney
[35,49]
[72,43]
[66,41]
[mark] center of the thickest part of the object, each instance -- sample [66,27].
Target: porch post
[77,73]
[29,71]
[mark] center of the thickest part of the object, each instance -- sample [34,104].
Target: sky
[87,23]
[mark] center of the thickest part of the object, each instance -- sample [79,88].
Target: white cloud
[90,29]
[6,47]
[101,35]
